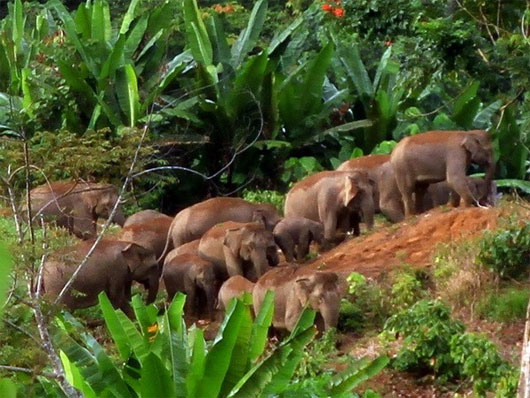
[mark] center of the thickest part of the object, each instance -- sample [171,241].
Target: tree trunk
[523,391]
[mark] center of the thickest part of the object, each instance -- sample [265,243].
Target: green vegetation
[507,251]
[505,305]
[433,342]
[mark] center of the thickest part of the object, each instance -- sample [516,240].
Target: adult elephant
[372,165]
[192,222]
[294,288]
[333,198]
[75,205]
[147,228]
[111,268]
[246,249]
[194,276]
[233,287]
[435,156]
[437,194]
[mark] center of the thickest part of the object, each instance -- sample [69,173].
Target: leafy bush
[433,342]
[266,196]
[504,306]
[364,305]
[507,251]
[406,289]
[479,361]
[297,168]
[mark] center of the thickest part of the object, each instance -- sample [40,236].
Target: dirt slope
[412,241]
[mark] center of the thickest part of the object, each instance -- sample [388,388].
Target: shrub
[504,306]
[433,342]
[406,289]
[277,199]
[365,304]
[506,252]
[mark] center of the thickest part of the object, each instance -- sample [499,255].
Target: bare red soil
[412,242]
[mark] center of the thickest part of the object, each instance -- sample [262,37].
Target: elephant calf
[234,286]
[297,232]
[294,288]
[194,276]
[112,267]
[76,205]
[246,249]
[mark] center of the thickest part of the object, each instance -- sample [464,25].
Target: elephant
[371,164]
[297,232]
[190,247]
[435,156]
[246,249]
[147,228]
[112,267]
[234,286]
[194,276]
[333,198]
[295,287]
[391,203]
[192,222]
[75,205]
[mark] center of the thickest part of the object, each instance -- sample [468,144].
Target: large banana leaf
[155,380]
[6,262]
[352,62]
[220,45]
[261,327]
[18,25]
[357,373]
[8,389]
[248,37]
[128,17]
[196,34]
[127,92]
[197,361]
[218,359]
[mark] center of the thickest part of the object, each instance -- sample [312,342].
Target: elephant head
[267,215]
[320,291]
[358,194]
[143,268]
[479,150]
[101,199]
[252,244]
[207,281]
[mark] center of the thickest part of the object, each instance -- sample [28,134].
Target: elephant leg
[406,188]
[454,199]
[286,244]
[120,297]
[191,299]
[419,192]
[355,220]
[302,248]
[328,217]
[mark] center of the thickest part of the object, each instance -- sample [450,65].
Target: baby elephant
[235,286]
[297,232]
[294,288]
[194,276]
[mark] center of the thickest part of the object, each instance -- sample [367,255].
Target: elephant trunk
[152,287]
[211,298]
[329,309]
[488,179]
[119,218]
[368,211]
[260,262]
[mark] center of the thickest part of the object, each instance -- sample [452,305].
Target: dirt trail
[412,242]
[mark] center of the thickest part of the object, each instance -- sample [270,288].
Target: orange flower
[338,12]
[326,7]
[388,43]
[153,328]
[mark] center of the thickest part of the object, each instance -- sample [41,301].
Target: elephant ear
[134,254]
[232,240]
[303,286]
[472,145]
[351,189]
[248,245]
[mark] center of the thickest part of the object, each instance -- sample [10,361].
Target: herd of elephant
[221,247]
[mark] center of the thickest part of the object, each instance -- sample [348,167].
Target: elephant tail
[167,247]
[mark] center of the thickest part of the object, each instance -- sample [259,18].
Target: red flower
[338,12]
[326,7]
[388,43]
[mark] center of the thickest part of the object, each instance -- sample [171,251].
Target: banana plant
[107,64]
[379,97]
[159,357]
